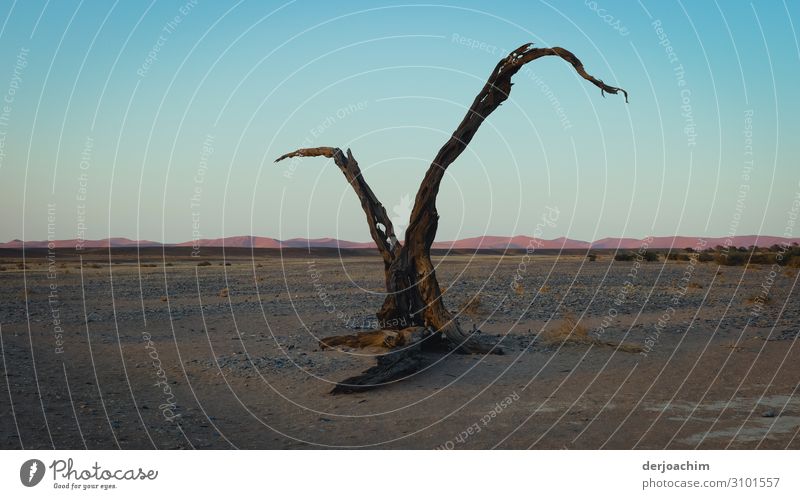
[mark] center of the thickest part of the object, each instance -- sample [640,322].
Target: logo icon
[31,472]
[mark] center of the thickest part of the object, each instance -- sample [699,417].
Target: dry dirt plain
[135,353]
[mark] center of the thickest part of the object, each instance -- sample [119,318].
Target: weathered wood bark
[390,367]
[414,297]
[379,338]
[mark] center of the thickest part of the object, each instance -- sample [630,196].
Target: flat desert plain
[124,349]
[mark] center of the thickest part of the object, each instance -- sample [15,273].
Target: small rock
[769,413]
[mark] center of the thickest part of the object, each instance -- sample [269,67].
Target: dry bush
[472,305]
[544,289]
[734,347]
[569,331]
[519,289]
[223,293]
[694,285]
[759,298]
[163,298]
[204,264]
[2,268]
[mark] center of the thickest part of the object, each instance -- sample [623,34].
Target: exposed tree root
[418,349]
[390,367]
[471,343]
[379,338]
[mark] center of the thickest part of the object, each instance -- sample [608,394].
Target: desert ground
[126,349]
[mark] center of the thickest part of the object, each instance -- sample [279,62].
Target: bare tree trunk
[413,295]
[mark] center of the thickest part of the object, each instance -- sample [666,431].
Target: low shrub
[627,256]
[472,305]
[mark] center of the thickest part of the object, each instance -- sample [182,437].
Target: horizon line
[335,242]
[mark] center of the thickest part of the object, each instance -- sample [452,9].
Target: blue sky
[113,142]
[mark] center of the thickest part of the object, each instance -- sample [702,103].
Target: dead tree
[413,319]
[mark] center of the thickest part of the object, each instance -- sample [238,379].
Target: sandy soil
[242,368]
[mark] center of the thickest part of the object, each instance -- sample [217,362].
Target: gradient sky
[234,85]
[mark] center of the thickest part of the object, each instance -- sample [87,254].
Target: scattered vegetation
[704,257]
[569,331]
[782,255]
[629,256]
[788,256]
[678,257]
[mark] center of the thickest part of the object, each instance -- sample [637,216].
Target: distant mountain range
[481,242]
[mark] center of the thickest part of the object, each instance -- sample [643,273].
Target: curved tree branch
[423,223]
[424,219]
[380,225]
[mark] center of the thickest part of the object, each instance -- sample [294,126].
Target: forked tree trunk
[413,296]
